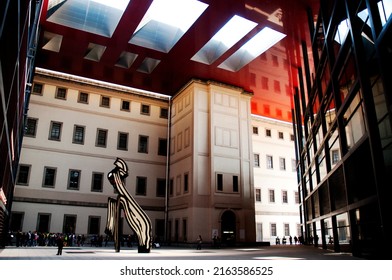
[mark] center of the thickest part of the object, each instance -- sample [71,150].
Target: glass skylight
[342,31]
[261,42]
[165,22]
[233,31]
[95,16]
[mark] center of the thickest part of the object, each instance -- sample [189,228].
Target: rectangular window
[219,182]
[83,97]
[164,113]
[49,177]
[235,183]
[264,83]
[94,225]
[55,131]
[31,127]
[276,86]
[284,197]
[61,93]
[78,135]
[293,165]
[143,144]
[171,187]
[255,130]
[270,163]
[145,109]
[296,197]
[97,182]
[122,143]
[273,230]
[105,101]
[186,182]
[335,156]
[161,187]
[275,61]
[69,223]
[162,147]
[101,138]
[282,163]
[125,105]
[23,175]
[280,135]
[141,186]
[268,132]
[74,179]
[271,195]
[37,88]
[258,195]
[286,229]
[256,158]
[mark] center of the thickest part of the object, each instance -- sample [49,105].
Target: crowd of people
[34,238]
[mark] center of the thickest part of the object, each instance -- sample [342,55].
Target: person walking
[60,244]
[199,242]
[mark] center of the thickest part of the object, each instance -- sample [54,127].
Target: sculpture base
[143,249]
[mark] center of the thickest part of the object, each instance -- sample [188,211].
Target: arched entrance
[228,227]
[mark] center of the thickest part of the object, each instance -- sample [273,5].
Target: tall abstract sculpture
[134,214]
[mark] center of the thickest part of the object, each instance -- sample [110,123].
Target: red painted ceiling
[176,68]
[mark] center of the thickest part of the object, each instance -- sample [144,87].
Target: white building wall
[275,179]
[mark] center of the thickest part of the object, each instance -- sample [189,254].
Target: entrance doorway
[228,227]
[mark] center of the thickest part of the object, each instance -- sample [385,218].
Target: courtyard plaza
[274,252]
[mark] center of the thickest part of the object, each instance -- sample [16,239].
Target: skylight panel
[261,42]
[342,31]
[116,4]
[165,22]
[233,31]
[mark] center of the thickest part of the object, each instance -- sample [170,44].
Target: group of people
[297,240]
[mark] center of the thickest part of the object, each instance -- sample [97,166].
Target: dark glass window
[83,97]
[145,109]
[164,113]
[143,144]
[78,136]
[219,182]
[162,147]
[23,175]
[49,177]
[122,141]
[161,187]
[74,179]
[31,127]
[37,88]
[61,93]
[141,185]
[97,182]
[101,138]
[125,105]
[55,131]
[105,101]
[235,183]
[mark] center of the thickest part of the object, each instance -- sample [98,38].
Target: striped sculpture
[134,214]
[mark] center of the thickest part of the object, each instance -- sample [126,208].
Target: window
[94,224]
[61,93]
[145,109]
[296,197]
[219,182]
[122,143]
[335,156]
[101,138]
[293,165]
[282,163]
[292,137]
[276,86]
[280,135]
[162,147]
[258,195]
[161,187]
[37,88]
[125,105]
[97,182]
[255,130]
[275,61]
[264,83]
[74,179]
[256,158]
[286,229]
[78,135]
[23,175]
[235,183]
[164,113]
[143,144]
[141,185]
[268,132]
[186,182]
[55,131]
[270,164]
[171,186]
[49,177]
[83,97]
[284,197]
[271,195]
[273,230]
[31,127]
[105,101]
